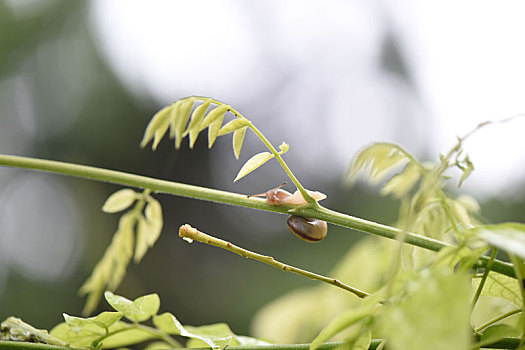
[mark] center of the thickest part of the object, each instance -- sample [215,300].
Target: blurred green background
[60,99]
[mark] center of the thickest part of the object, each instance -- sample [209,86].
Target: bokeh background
[79,80]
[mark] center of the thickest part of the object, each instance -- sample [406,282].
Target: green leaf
[238,139]
[217,336]
[423,319]
[162,128]
[110,270]
[154,218]
[233,125]
[174,116]
[148,304]
[157,121]
[119,200]
[141,246]
[214,115]
[381,158]
[81,338]
[466,171]
[194,128]
[125,334]
[495,333]
[160,345]
[498,285]
[253,163]
[107,318]
[401,184]
[167,323]
[507,236]
[213,130]
[103,321]
[340,323]
[181,121]
[138,310]
[284,147]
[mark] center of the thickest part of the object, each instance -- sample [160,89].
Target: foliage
[433,287]
[106,330]
[138,230]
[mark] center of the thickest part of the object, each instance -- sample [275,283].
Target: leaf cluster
[419,289]
[182,119]
[138,230]
[107,330]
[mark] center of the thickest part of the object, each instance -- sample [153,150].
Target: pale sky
[466,61]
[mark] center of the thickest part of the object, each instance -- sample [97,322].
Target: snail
[310,230]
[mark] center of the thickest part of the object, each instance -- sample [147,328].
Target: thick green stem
[11,345]
[208,194]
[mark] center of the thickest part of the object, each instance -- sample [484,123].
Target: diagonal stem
[208,194]
[192,234]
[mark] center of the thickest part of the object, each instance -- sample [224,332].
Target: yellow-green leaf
[161,130]
[466,171]
[381,158]
[498,285]
[253,163]
[175,113]
[213,115]
[233,125]
[340,323]
[213,130]
[167,323]
[194,128]
[158,119]
[238,139]
[508,236]
[182,120]
[141,245]
[284,147]
[154,220]
[401,184]
[138,310]
[119,201]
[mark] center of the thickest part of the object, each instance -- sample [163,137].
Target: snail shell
[311,230]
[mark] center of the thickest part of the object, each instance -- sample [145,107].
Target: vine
[445,271]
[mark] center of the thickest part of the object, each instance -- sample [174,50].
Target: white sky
[317,61]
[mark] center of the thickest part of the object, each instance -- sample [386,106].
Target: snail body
[308,229]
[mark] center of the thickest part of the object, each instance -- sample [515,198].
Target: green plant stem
[484,277]
[188,232]
[208,194]
[506,343]
[17,345]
